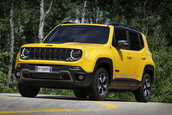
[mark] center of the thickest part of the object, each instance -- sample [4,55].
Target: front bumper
[62,76]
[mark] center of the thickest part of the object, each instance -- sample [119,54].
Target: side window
[141,41]
[120,35]
[134,41]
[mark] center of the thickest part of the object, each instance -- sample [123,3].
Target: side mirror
[122,44]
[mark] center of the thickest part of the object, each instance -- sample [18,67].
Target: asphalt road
[14,104]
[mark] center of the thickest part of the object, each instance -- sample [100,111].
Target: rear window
[136,41]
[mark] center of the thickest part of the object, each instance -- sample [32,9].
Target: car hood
[64,45]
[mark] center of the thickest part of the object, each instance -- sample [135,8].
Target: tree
[42,19]
[84,12]
[10,66]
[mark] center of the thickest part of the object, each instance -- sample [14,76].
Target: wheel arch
[107,64]
[150,70]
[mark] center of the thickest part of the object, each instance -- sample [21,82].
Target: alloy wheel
[102,84]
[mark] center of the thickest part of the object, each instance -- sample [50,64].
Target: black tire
[81,93]
[143,94]
[28,91]
[99,88]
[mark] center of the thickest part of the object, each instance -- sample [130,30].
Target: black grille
[49,53]
[46,76]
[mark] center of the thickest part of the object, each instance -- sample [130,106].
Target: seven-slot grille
[49,53]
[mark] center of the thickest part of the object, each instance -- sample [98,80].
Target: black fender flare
[150,70]
[107,63]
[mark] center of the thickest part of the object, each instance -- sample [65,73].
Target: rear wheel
[81,93]
[27,90]
[143,94]
[100,86]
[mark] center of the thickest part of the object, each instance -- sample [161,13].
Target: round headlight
[75,54]
[25,53]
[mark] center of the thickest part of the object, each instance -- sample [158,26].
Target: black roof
[117,25]
[124,26]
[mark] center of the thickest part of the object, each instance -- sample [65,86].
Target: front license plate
[43,68]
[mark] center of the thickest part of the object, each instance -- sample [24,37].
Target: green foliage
[3,75]
[162,56]
[56,91]
[122,96]
[3,86]
[1,24]
[61,92]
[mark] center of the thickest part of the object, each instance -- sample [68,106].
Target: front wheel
[100,86]
[28,91]
[143,94]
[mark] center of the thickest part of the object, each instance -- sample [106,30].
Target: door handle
[129,57]
[143,58]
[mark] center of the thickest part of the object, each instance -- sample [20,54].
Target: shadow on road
[61,97]
[64,97]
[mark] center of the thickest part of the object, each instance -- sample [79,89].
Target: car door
[129,59]
[123,59]
[135,53]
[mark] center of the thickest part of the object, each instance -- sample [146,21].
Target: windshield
[79,33]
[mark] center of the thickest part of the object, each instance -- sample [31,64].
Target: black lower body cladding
[61,76]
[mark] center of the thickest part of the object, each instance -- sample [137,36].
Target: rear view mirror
[122,44]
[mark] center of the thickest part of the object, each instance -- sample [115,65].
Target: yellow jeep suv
[90,59]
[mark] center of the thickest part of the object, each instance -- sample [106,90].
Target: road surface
[14,104]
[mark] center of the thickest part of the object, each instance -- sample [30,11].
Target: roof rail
[67,22]
[124,25]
